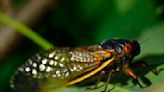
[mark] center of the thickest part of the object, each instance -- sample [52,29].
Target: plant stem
[21,28]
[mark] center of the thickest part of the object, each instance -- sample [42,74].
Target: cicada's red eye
[127,48]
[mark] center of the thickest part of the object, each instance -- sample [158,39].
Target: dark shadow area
[153,60]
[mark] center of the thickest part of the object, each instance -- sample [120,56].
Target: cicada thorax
[54,68]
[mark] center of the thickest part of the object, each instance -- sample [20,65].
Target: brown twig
[29,14]
[7,7]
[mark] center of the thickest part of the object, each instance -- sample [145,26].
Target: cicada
[67,66]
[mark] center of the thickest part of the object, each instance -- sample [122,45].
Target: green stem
[21,28]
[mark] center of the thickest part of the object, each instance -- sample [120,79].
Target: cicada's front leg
[138,64]
[128,71]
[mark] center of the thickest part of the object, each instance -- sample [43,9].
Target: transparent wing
[53,67]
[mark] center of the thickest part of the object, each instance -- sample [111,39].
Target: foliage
[87,22]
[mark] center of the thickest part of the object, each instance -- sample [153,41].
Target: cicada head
[125,49]
[136,48]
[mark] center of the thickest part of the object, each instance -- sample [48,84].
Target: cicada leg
[102,73]
[128,71]
[146,64]
[96,86]
[138,64]
[107,82]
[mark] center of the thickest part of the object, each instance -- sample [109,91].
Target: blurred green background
[87,22]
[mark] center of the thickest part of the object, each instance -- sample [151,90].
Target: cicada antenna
[143,41]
